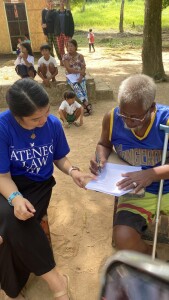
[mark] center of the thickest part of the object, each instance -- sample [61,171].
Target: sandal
[66,125]
[77,124]
[65,292]
[87,110]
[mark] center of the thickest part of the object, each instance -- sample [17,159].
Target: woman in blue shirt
[32,141]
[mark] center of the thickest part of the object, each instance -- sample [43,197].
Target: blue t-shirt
[22,155]
[143,151]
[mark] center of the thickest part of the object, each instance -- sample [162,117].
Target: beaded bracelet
[12,196]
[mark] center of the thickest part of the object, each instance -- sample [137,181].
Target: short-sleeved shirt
[20,60]
[143,151]
[76,62]
[51,60]
[33,158]
[91,37]
[70,109]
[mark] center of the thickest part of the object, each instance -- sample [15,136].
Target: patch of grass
[122,41]
[105,15]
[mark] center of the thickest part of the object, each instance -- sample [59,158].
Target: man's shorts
[139,212]
[70,118]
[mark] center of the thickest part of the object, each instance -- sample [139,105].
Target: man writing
[133,129]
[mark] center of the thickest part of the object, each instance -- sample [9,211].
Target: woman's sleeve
[61,147]
[4,154]
[65,57]
[82,60]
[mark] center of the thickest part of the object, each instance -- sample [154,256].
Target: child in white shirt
[24,64]
[70,110]
[47,66]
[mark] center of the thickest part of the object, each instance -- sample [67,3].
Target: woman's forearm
[63,164]
[7,185]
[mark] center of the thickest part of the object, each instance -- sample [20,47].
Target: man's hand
[23,209]
[94,165]
[136,180]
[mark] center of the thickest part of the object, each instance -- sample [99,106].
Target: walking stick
[164,154]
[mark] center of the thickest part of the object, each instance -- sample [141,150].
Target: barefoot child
[47,66]
[70,110]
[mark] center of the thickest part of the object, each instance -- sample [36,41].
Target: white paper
[110,175]
[73,77]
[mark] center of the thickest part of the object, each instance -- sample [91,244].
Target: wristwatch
[71,169]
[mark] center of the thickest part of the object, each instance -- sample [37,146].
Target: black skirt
[25,248]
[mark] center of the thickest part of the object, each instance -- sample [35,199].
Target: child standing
[70,110]
[91,40]
[47,66]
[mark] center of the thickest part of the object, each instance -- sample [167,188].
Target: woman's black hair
[28,47]
[25,97]
[45,46]
[69,95]
[74,43]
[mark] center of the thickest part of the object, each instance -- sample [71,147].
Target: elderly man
[133,130]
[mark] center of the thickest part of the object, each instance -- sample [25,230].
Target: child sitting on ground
[47,66]
[70,110]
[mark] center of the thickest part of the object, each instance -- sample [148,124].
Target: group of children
[70,110]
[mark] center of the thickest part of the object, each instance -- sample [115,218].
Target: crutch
[164,154]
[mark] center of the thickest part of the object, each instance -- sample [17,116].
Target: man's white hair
[137,89]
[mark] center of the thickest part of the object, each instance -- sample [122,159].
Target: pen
[98,162]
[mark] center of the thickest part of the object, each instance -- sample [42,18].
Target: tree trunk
[83,6]
[152,41]
[67,4]
[121,17]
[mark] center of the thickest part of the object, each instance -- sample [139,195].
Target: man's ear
[152,108]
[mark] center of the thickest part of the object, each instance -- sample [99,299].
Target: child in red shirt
[91,40]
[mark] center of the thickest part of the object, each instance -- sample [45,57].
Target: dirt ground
[81,221]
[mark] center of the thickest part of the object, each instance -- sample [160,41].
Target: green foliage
[104,15]
[165,3]
[116,41]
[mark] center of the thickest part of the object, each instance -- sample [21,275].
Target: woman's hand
[80,178]
[80,79]
[95,167]
[23,209]
[21,55]
[136,180]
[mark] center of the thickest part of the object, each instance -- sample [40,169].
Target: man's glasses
[133,119]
